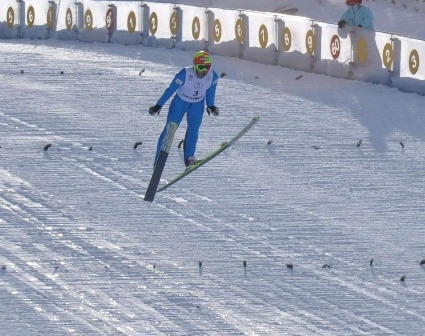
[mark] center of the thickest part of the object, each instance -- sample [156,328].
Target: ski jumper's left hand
[212,110]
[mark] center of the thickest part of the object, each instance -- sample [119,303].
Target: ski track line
[120,186]
[264,251]
[79,248]
[116,173]
[340,281]
[104,178]
[69,160]
[371,286]
[329,257]
[31,218]
[340,261]
[39,280]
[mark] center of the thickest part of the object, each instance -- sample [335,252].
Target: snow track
[264,240]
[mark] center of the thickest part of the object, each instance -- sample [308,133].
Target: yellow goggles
[202,67]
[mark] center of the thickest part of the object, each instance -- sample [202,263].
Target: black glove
[360,26]
[155,109]
[212,110]
[341,23]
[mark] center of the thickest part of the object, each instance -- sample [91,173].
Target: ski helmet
[201,61]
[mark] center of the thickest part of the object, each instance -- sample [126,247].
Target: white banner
[10,19]
[160,22]
[262,37]
[66,20]
[226,32]
[297,42]
[286,40]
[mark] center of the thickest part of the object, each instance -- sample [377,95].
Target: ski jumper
[192,93]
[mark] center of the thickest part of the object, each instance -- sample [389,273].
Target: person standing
[195,87]
[357,15]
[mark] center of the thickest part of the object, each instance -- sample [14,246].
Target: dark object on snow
[422,262]
[269,142]
[359,142]
[138,143]
[289,266]
[244,263]
[299,77]
[90,148]
[22,71]
[403,278]
[3,267]
[223,74]
[315,147]
[200,264]
[141,71]
[181,144]
[62,72]
[47,146]
[326,266]
[371,262]
[401,144]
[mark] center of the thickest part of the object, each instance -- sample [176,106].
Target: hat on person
[353,2]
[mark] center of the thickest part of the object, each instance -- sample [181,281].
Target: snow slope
[311,224]
[83,254]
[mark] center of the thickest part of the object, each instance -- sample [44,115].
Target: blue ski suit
[358,15]
[192,94]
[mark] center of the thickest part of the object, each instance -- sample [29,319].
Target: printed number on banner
[50,17]
[217,30]
[196,28]
[109,20]
[10,17]
[30,16]
[263,36]
[173,23]
[153,23]
[239,31]
[287,39]
[335,46]
[88,19]
[388,55]
[68,19]
[131,22]
[414,61]
[309,42]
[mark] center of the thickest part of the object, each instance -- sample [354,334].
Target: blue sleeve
[367,18]
[210,94]
[347,16]
[178,81]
